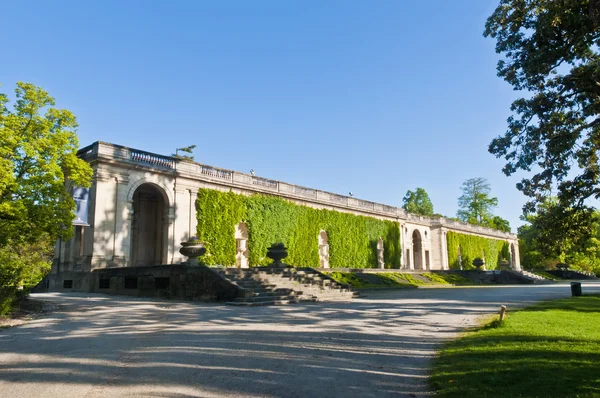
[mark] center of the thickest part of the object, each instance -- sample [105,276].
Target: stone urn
[192,249]
[277,252]
[478,263]
[504,264]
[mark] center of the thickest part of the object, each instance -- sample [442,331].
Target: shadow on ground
[380,345]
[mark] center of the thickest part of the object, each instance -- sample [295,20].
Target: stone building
[142,205]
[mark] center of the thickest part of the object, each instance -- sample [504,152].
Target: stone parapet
[111,153]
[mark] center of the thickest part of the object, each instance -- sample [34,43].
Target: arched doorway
[149,229]
[241,238]
[323,250]
[417,249]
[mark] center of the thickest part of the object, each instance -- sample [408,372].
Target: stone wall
[119,172]
[168,281]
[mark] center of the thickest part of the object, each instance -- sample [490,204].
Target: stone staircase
[273,286]
[536,279]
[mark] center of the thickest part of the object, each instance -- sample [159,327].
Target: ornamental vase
[192,250]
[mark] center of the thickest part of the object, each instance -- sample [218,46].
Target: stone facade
[142,205]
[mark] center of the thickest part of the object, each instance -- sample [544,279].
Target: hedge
[352,239]
[471,247]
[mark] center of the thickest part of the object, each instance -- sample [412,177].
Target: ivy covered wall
[471,247]
[352,238]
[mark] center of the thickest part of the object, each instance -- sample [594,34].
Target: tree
[475,205]
[38,148]
[545,241]
[418,202]
[551,53]
[499,223]
[187,149]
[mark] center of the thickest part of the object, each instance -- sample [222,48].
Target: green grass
[448,278]
[360,280]
[548,350]
[396,279]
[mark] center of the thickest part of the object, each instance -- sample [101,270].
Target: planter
[478,263]
[277,253]
[192,250]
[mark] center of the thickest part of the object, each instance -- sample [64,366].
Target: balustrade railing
[154,160]
[311,193]
[366,204]
[338,198]
[263,182]
[151,159]
[212,172]
[389,209]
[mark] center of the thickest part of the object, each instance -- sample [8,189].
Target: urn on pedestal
[478,263]
[192,249]
[277,252]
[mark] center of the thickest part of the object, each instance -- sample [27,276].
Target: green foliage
[352,239]
[218,213]
[471,247]
[376,280]
[418,202]
[549,350]
[475,205]
[546,240]
[187,149]
[397,279]
[551,54]
[38,147]
[499,224]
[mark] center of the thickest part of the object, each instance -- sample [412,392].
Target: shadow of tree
[380,345]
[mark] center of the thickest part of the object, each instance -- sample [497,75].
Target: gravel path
[379,345]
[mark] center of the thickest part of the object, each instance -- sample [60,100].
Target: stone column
[380,257]
[517,256]
[444,249]
[181,221]
[193,225]
[170,219]
[103,193]
[122,222]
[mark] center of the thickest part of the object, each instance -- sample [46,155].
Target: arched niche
[149,228]
[241,238]
[323,249]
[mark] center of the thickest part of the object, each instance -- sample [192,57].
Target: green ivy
[471,247]
[352,239]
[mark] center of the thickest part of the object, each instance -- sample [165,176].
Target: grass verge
[397,279]
[548,350]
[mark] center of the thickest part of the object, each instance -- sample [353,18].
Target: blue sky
[374,97]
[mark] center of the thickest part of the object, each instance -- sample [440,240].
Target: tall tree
[38,148]
[418,202]
[550,52]
[545,241]
[499,223]
[475,204]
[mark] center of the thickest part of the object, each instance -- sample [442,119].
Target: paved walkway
[378,345]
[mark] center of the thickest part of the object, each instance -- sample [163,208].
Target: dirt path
[379,345]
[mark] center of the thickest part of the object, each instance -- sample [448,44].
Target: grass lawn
[548,350]
[397,279]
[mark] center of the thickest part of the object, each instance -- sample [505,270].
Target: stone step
[257,299]
[274,292]
[262,303]
[271,286]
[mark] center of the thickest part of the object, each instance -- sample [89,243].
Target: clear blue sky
[374,97]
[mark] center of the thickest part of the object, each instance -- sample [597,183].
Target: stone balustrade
[168,163]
